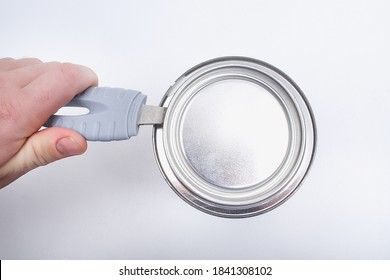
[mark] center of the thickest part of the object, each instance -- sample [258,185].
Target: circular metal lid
[238,137]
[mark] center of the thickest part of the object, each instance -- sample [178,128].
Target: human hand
[30,92]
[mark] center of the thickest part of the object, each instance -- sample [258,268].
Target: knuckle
[34,156]
[70,72]
[33,60]
[7,60]
[77,75]
[39,158]
[7,82]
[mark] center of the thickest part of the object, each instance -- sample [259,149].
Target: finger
[53,89]
[8,63]
[43,147]
[23,76]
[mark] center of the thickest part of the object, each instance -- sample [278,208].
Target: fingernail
[69,147]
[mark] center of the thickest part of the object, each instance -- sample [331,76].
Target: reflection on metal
[151,115]
[238,137]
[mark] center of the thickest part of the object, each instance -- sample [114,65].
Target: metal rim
[252,200]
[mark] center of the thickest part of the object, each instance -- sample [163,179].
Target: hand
[30,92]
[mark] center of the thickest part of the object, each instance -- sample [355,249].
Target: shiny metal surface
[240,140]
[151,115]
[238,137]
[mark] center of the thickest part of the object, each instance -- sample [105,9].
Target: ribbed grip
[113,114]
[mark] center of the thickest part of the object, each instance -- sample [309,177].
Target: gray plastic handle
[113,114]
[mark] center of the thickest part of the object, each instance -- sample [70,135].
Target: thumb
[41,148]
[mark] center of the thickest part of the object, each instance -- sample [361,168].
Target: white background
[112,202]
[110,269]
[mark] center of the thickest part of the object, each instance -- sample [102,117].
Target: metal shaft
[152,115]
